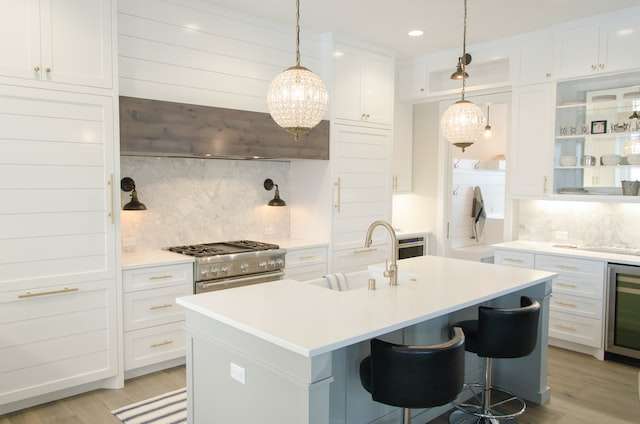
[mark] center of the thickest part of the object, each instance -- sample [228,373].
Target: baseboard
[138,372]
[587,350]
[53,396]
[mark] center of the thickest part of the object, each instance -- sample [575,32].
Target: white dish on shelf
[610,160]
[568,160]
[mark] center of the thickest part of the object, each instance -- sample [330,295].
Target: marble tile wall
[202,200]
[583,223]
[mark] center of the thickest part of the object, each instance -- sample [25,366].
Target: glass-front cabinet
[597,136]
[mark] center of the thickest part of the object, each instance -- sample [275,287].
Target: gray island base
[288,352]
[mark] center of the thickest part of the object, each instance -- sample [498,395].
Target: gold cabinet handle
[365,250]
[568,268]
[164,343]
[48,70]
[47,293]
[165,306]
[110,188]
[569,286]
[516,261]
[338,185]
[566,327]
[308,258]
[568,305]
[36,69]
[160,277]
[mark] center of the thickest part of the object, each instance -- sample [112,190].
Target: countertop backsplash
[582,223]
[202,200]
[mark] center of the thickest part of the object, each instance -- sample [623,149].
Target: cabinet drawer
[305,273]
[358,259]
[589,308]
[517,259]
[561,264]
[148,308]
[160,276]
[571,328]
[579,285]
[305,257]
[153,345]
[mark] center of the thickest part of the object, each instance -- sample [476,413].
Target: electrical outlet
[238,373]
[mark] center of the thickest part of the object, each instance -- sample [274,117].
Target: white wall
[417,210]
[190,51]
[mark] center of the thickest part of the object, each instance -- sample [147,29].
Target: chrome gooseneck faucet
[391,272]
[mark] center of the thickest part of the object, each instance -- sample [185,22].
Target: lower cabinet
[153,322]
[56,337]
[577,304]
[306,263]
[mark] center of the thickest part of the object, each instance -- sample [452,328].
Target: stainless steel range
[232,264]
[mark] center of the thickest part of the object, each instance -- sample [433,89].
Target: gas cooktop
[222,248]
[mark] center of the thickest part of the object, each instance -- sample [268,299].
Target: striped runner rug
[169,408]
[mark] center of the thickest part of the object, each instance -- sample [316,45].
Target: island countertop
[312,320]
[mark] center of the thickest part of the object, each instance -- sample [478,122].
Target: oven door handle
[275,275]
[415,244]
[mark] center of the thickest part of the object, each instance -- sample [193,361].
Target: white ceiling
[386,22]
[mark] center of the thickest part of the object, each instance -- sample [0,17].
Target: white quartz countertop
[311,320]
[152,257]
[293,243]
[548,248]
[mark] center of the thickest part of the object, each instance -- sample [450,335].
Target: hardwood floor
[584,391]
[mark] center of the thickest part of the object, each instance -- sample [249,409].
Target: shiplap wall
[191,51]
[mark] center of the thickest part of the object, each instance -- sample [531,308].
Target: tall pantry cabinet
[59,210]
[361,150]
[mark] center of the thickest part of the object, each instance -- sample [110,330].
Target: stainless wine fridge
[623,323]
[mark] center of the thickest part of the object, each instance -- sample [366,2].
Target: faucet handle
[387,272]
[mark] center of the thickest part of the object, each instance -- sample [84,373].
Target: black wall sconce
[276,201]
[129,186]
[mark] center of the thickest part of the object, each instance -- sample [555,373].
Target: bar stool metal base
[474,410]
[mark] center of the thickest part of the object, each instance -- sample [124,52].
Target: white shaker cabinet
[57,241]
[412,81]
[536,62]
[364,87]
[531,167]
[577,50]
[402,172]
[619,41]
[20,38]
[62,41]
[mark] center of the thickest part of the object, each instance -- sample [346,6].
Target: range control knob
[272,263]
[244,267]
[224,269]
[262,264]
[279,262]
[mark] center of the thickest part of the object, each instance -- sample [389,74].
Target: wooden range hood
[167,129]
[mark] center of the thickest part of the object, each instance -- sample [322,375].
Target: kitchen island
[288,352]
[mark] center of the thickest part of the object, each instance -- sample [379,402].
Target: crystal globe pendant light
[463,121]
[297,98]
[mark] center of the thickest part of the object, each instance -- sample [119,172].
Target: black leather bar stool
[498,333]
[414,376]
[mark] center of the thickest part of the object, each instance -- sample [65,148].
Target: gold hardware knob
[48,70]
[36,68]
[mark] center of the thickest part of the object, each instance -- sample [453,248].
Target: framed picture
[598,127]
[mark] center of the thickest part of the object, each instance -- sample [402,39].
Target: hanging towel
[337,281]
[478,214]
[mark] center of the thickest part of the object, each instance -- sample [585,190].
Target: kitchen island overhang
[288,351]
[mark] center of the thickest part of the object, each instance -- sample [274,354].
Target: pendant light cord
[298,32]
[464,49]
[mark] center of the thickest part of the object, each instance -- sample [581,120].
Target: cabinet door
[412,81]
[377,89]
[536,58]
[531,161]
[403,148]
[56,168]
[361,168]
[347,101]
[577,50]
[76,42]
[619,41]
[20,38]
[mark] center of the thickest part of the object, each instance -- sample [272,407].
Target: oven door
[411,248]
[623,326]
[230,283]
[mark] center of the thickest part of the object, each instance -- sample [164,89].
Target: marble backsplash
[582,223]
[202,200]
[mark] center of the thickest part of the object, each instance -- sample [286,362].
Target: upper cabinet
[364,86]
[62,41]
[605,45]
[536,57]
[412,81]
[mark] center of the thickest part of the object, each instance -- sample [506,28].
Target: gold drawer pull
[517,261]
[308,258]
[570,286]
[160,277]
[568,268]
[165,306]
[164,343]
[568,305]
[566,327]
[47,293]
[365,250]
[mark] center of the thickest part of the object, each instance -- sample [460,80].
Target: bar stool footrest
[470,409]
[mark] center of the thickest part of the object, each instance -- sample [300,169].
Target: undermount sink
[360,280]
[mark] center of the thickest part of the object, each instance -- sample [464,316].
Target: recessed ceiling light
[416,33]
